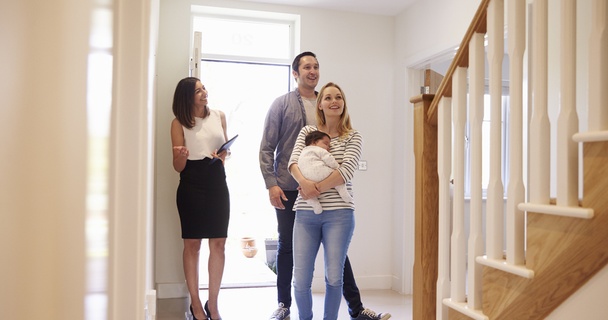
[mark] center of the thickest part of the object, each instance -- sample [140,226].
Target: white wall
[588,303]
[365,70]
[131,159]
[43,158]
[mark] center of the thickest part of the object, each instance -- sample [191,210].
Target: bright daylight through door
[246,64]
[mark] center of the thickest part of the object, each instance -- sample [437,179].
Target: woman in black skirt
[202,196]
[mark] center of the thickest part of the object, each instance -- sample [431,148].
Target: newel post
[426,210]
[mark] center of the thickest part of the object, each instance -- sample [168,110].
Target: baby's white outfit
[316,164]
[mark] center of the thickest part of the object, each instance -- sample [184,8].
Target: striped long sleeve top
[347,151]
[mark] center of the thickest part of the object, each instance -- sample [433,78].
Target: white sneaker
[281,313]
[368,314]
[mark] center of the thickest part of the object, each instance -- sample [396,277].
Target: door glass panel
[244,92]
[244,38]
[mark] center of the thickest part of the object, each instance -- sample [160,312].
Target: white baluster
[598,68]
[444,170]
[476,105]
[567,124]
[515,191]
[494,207]
[539,123]
[458,249]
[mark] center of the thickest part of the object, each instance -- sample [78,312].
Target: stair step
[502,264]
[463,308]
[573,212]
[592,136]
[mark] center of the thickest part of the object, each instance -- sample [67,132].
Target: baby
[316,163]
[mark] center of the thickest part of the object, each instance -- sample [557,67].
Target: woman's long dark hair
[183,101]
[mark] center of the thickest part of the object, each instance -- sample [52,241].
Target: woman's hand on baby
[308,190]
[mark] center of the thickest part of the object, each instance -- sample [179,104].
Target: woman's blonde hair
[344,126]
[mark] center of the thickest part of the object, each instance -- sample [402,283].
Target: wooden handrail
[461,59]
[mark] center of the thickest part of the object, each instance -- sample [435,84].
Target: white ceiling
[380,7]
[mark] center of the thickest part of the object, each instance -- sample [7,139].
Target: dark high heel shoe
[192,313]
[209,312]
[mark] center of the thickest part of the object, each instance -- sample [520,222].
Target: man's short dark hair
[295,65]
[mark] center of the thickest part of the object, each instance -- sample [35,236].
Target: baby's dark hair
[315,136]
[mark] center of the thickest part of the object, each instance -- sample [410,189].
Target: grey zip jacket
[284,120]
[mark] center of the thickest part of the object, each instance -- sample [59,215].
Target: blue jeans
[284,264]
[334,229]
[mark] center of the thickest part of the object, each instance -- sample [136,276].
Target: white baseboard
[151,305]
[171,290]
[399,286]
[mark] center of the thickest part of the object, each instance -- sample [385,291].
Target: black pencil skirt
[203,201]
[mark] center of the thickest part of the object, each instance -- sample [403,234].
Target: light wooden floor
[258,304]
[248,292]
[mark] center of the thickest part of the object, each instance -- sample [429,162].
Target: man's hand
[277,197]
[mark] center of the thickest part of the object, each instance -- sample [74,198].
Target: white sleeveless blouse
[206,136]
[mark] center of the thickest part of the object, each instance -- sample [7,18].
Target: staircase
[534,250]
